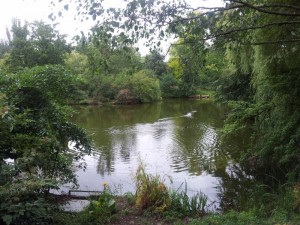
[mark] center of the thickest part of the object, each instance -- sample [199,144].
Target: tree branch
[277,5]
[261,9]
[253,28]
[274,42]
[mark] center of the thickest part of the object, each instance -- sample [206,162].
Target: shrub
[100,211]
[34,133]
[169,86]
[145,88]
[125,96]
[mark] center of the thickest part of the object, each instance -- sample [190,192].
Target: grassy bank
[153,203]
[126,212]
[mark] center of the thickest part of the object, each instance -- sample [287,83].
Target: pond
[176,139]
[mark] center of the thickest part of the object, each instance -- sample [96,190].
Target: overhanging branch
[253,28]
[262,9]
[275,42]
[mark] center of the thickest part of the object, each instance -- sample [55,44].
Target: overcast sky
[31,10]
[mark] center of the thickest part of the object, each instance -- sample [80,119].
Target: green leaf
[7,219]
[111,203]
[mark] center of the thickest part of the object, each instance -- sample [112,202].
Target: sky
[31,10]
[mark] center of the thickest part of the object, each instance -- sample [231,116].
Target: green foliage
[100,211]
[55,81]
[144,87]
[155,62]
[214,64]
[35,44]
[231,218]
[77,63]
[22,203]
[264,83]
[235,86]
[105,67]
[259,73]
[174,64]
[184,205]
[106,59]
[35,124]
[4,48]
[187,63]
[34,142]
[169,86]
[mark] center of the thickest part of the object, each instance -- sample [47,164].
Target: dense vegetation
[247,52]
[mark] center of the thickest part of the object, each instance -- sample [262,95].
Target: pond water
[176,139]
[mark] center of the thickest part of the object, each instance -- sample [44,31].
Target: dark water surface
[176,139]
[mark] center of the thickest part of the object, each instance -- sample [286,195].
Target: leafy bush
[169,86]
[100,211]
[22,200]
[145,88]
[125,96]
[34,138]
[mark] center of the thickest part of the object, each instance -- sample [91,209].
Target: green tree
[264,84]
[21,49]
[141,87]
[35,44]
[77,63]
[35,134]
[169,86]
[4,48]
[155,61]
[191,61]
[50,47]
[108,63]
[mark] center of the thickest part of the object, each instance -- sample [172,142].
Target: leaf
[66,7]
[111,203]
[7,219]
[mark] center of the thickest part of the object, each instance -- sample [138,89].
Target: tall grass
[184,204]
[152,194]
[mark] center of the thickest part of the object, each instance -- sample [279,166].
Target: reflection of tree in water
[120,142]
[123,142]
[111,125]
[105,162]
[235,187]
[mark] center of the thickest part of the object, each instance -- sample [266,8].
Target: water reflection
[176,138]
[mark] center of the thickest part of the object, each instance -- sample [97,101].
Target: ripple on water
[177,138]
[198,158]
